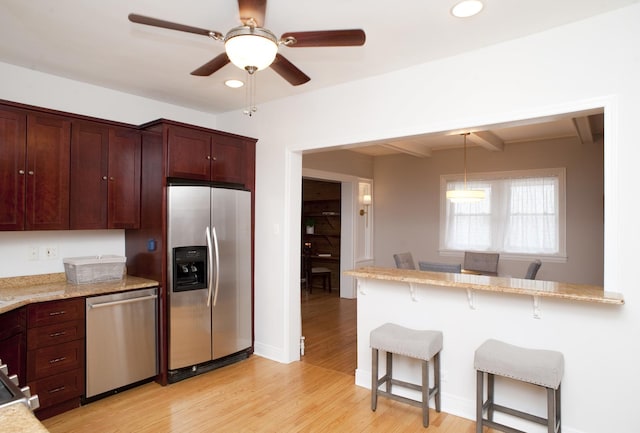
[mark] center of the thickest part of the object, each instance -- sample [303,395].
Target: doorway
[328,319]
[321,231]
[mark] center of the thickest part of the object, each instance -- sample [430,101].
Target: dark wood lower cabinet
[56,354]
[13,342]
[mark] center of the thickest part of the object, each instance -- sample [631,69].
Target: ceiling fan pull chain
[250,95]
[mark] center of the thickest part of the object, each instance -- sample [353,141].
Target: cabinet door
[88,174]
[189,153]
[47,189]
[124,179]
[228,163]
[13,126]
[13,342]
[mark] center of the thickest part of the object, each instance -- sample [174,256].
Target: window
[523,213]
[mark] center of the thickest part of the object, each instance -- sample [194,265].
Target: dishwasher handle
[123,301]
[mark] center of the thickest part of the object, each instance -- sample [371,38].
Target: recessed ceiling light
[467,8]
[234,84]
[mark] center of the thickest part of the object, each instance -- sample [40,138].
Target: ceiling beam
[414,149]
[488,140]
[583,129]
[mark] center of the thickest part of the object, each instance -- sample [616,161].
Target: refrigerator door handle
[215,241]
[207,234]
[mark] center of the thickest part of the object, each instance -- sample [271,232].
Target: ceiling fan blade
[252,10]
[212,66]
[325,38]
[288,71]
[155,22]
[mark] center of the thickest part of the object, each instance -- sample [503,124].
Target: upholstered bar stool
[539,367]
[422,345]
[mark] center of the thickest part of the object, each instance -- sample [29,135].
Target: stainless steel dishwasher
[122,340]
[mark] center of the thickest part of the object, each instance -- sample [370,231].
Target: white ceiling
[93,41]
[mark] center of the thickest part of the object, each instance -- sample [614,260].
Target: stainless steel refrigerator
[209,276]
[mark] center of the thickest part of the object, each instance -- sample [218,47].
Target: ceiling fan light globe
[251,47]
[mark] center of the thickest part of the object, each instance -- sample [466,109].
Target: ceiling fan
[252,47]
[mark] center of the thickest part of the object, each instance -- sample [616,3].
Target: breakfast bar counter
[518,286]
[576,320]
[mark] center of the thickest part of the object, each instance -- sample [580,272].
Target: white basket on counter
[94,269]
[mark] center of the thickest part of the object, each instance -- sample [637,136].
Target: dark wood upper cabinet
[34,168]
[124,179]
[89,169]
[228,159]
[189,153]
[202,155]
[13,148]
[105,177]
[48,147]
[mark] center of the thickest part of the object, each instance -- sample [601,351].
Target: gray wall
[406,201]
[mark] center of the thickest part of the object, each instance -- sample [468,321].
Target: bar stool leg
[436,379]
[389,370]
[558,413]
[490,387]
[374,379]
[551,410]
[479,400]
[425,393]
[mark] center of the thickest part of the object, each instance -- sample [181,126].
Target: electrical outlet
[32,253]
[51,252]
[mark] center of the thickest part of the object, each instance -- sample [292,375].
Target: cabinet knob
[30,172]
[104,177]
[209,157]
[214,158]
[112,178]
[20,171]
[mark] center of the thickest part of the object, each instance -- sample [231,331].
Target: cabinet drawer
[55,359]
[58,388]
[55,334]
[49,313]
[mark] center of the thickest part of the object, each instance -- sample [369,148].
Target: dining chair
[532,270]
[483,263]
[440,267]
[404,261]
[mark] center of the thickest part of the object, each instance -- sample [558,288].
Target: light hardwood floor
[259,395]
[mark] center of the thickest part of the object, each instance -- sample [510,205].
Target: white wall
[16,247]
[579,66]
[583,65]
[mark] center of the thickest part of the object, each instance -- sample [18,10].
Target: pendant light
[465,195]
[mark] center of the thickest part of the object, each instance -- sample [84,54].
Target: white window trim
[560,172]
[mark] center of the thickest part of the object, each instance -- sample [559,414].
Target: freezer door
[189,317]
[231,216]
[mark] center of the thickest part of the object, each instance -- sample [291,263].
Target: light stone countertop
[18,291]
[518,286]
[17,418]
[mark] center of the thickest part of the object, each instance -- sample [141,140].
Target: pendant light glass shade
[251,48]
[465,194]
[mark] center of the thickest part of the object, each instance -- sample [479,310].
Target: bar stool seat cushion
[540,367]
[408,342]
